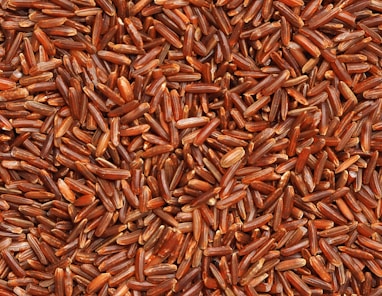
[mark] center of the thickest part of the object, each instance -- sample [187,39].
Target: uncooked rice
[175,147]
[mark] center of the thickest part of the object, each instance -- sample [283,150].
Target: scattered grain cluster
[190,147]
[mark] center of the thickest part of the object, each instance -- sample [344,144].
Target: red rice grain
[190,147]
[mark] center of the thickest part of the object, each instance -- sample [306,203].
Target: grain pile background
[190,147]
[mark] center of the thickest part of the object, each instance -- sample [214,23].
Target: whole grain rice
[190,147]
